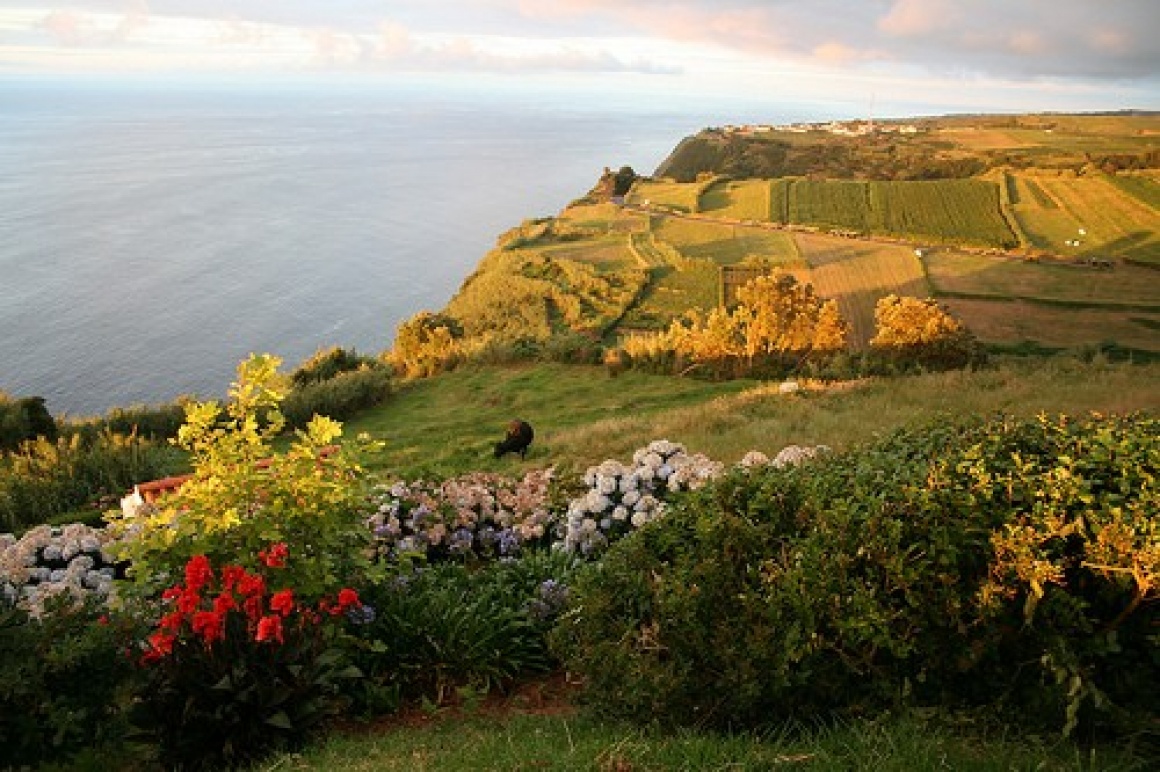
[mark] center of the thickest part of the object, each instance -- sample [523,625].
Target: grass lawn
[578,742]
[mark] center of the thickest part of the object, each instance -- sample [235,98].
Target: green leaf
[280,720]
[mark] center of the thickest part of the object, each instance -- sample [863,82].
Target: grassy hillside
[448,424]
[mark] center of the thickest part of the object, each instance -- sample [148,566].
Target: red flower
[198,573]
[231,575]
[348,599]
[251,585]
[253,607]
[282,602]
[210,625]
[188,601]
[160,646]
[172,592]
[224,603]
[171,622]
[275,557]
[269,628]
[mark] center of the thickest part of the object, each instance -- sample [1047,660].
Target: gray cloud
[1010,38]
[1021,39]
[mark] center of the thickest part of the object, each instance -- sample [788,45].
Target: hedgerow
[1004,563]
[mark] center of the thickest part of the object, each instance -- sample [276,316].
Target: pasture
[738,199]
[954,272]
[858,273]
[1060,327]
[676,195]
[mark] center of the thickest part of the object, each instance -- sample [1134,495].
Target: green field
[1107,216]
[740,199]
[850,216]
[955,272]
[582,416]
[858,273]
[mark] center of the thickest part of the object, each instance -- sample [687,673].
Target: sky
[873,55]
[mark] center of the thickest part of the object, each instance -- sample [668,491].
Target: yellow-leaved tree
[244,496]
[916,331]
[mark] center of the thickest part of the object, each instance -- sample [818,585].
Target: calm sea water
[152,237]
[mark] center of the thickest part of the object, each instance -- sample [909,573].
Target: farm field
[961,272]
[682,196]
[607,253]
[1116,224]
[739,199]
[858,273]
[1011,322]
[1107,220]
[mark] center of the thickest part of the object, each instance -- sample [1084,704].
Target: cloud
[1003,38]
[1011,40]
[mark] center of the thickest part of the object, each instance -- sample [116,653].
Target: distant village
[845,128]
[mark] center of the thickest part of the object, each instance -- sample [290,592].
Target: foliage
[234,505]
[152,422]
[64,680]
[236,668]
[327,363]
[43,478]
[338,397]
[1003,563]
[24,419]
[912,332]
[777,324]
[449,626]
[425,344]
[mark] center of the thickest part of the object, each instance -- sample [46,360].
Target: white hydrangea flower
[754,458]
[620,513]
[606,485]
[630,498]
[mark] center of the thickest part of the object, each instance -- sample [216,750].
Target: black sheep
[519,437]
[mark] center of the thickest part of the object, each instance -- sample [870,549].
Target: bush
[233,505]
[44,479]
[1004,563]
[237,668]
[339,397]
[24,419]
[64,683]
[328,363]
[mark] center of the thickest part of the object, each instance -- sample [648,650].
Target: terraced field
[858,273]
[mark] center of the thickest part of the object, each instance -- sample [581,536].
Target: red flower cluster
[196,608]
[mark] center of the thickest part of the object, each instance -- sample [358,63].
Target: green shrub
[439,628]
[338,397]
[64,684]
[153,422]
[24,419]
[1002,563]
[233,505]
[327,363]
[44,479]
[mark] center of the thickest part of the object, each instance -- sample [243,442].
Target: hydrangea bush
[477,516]
[621,498]
[47,561]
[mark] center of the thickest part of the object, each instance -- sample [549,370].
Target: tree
[914,331]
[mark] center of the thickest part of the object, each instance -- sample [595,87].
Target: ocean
[152,236]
